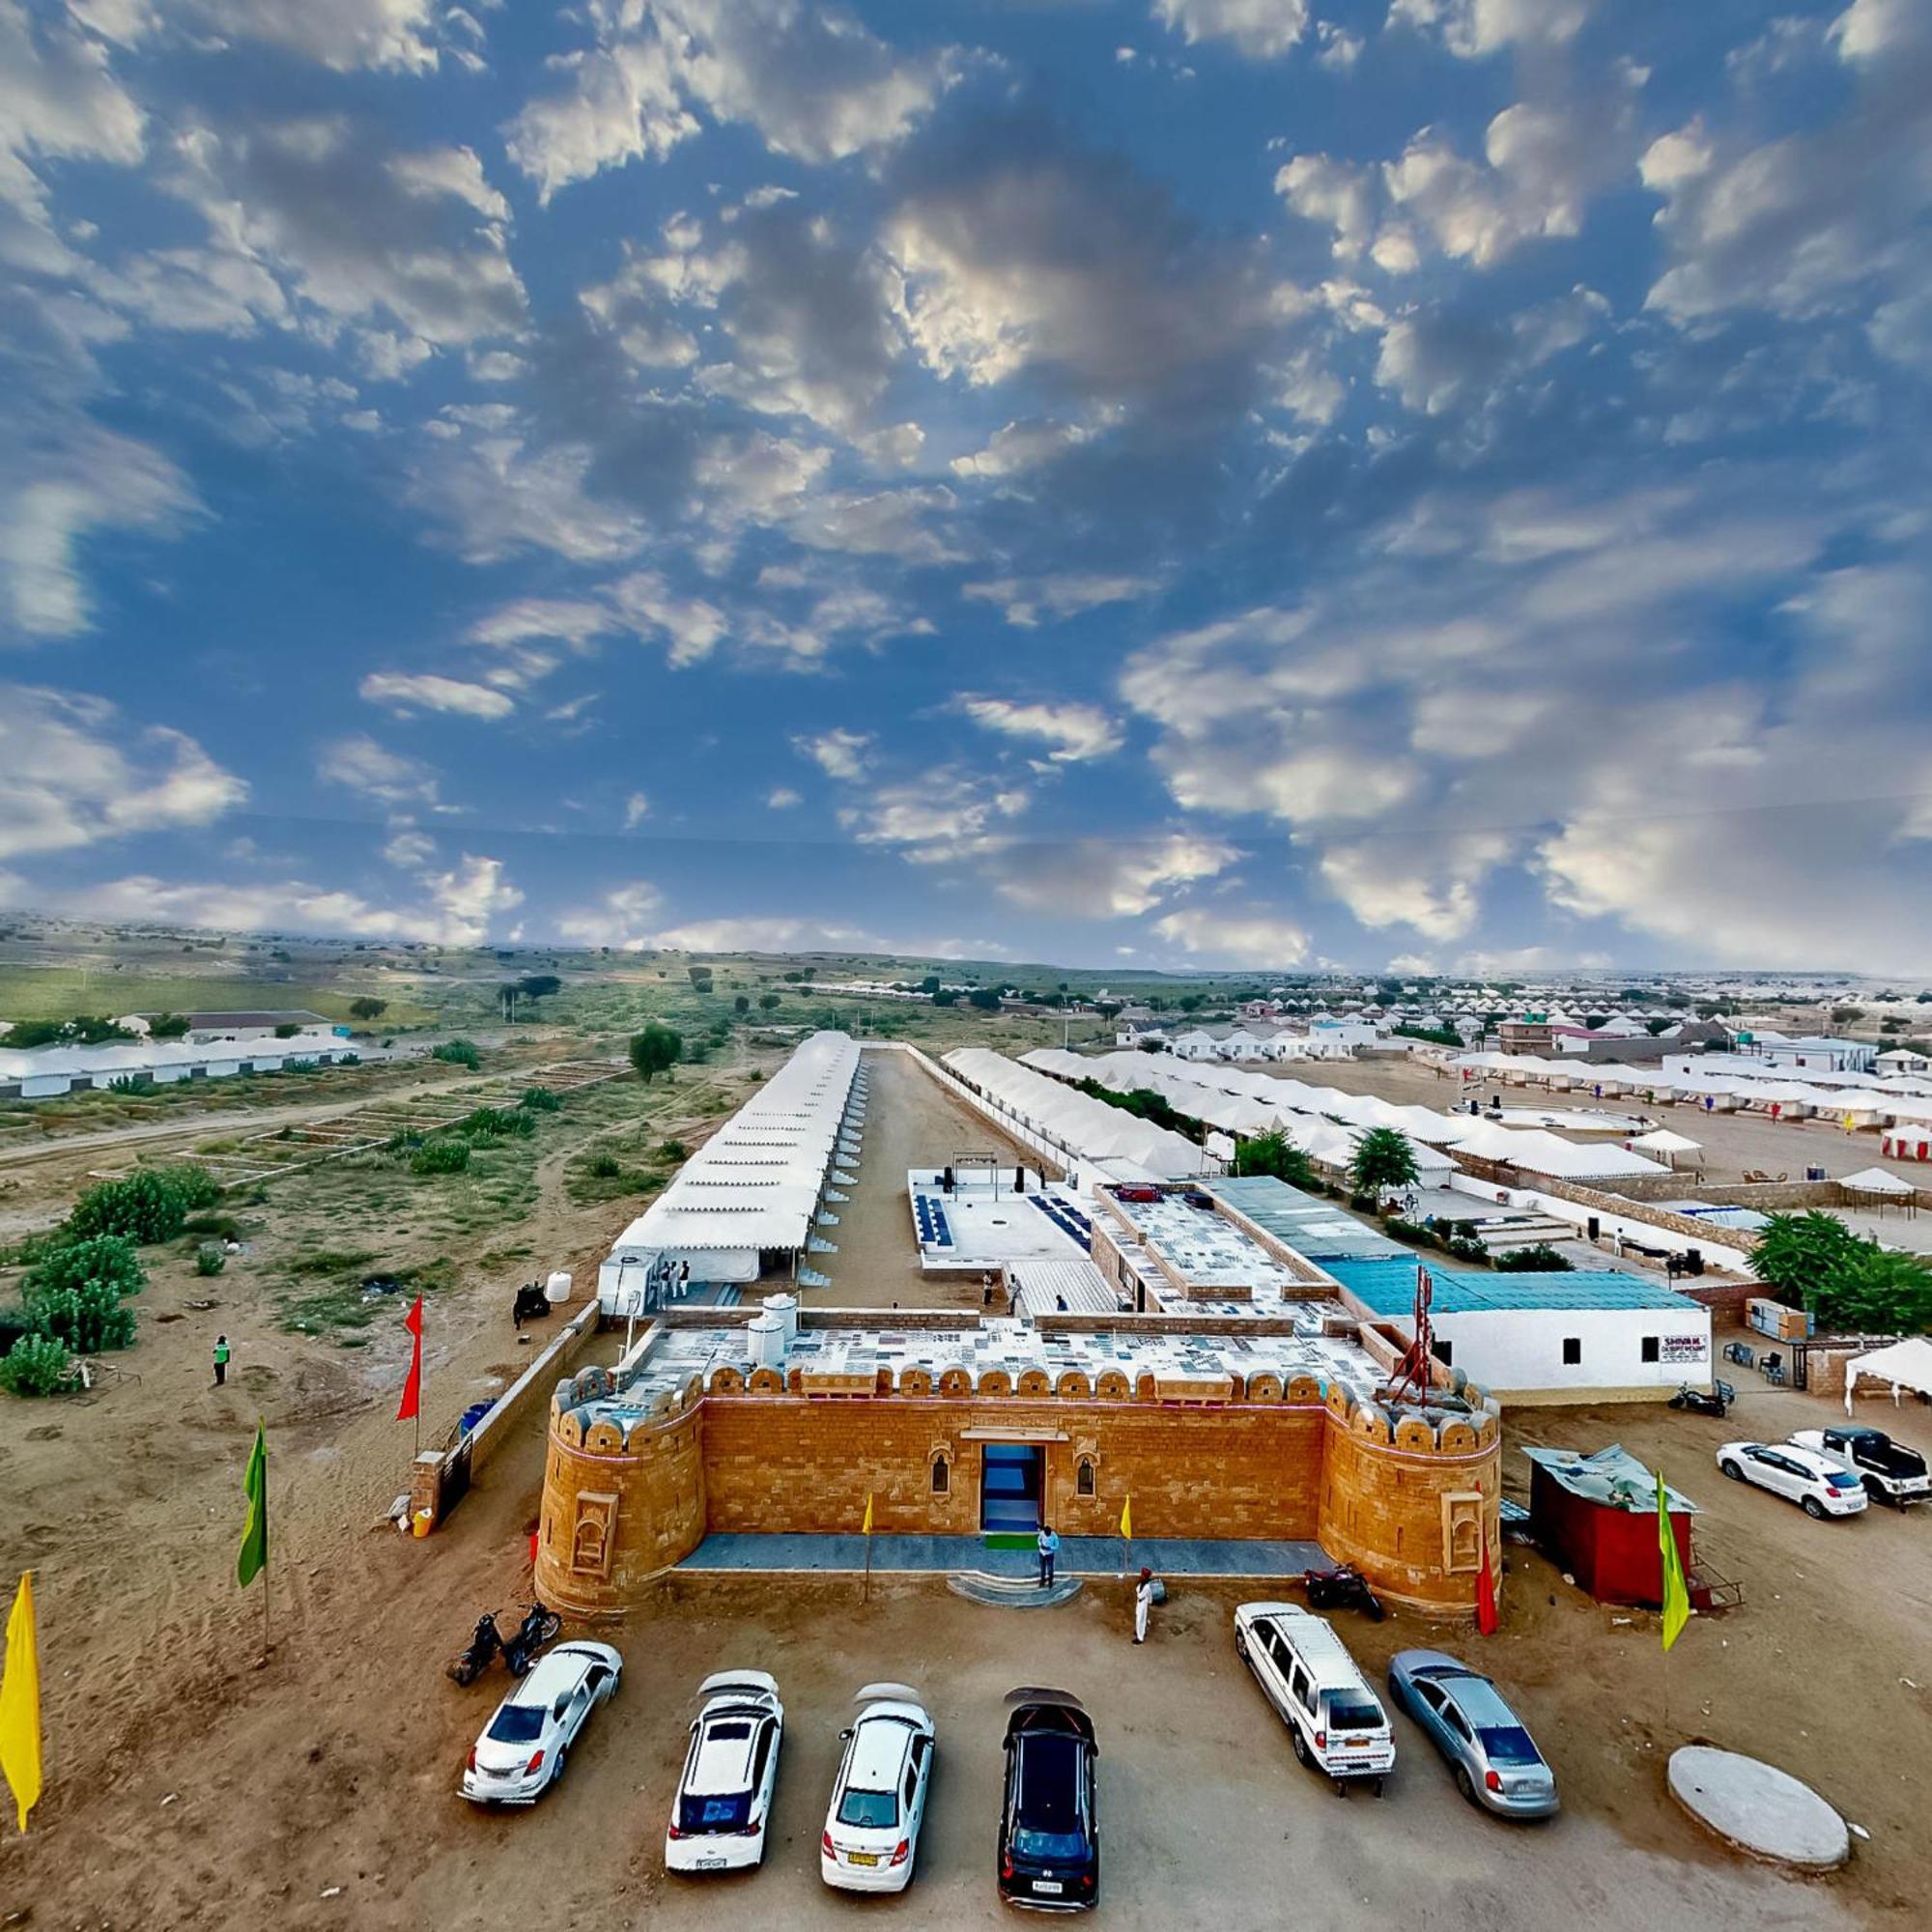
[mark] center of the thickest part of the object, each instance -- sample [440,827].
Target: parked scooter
[1717,1401]
[532,1304]
[1344,1588]
[487,1643]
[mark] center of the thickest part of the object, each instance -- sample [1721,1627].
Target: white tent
[1876,1180]
[1905,1365]
[1660,1140]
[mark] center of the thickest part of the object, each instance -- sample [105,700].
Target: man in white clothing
[1143,1604]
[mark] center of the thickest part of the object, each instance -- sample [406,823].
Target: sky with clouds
[1262,483]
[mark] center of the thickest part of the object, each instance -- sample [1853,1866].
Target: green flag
[254,1557]
[1676,1592]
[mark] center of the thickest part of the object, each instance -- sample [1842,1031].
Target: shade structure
[754,1185]
[1086,1129]
[1905,1365]
[1660,1140]
[1876,1180]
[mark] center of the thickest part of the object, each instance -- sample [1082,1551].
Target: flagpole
[866,1594]
[268,1627]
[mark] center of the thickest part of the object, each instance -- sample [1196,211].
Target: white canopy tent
[1905,1365]
[1660,1140]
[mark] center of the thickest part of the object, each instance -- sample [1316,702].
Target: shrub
[673,1150]
[603,1167]
[169,1026]
[367,1009]
[143,1206]
[349,1060]
[539,1100]
[1466,1250]
[491,1124]
[131,1083]
[1538,1259]
[35,1365]
[440,1158]
[459,1053]
[655,1051]
[288,1028]
[103,1258]
[194,1186]
[223,1226]
[87,1318]
[209,1258]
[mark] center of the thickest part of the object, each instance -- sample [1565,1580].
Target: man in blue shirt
[1048,1544]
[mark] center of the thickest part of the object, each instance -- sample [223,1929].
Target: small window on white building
[1650,1348]
[1573,1350]
[1443,1349]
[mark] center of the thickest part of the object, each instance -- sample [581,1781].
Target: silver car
[1496,1764]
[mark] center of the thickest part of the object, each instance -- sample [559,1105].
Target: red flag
[413,1388]
[1486,1596]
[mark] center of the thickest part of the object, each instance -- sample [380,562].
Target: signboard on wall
[1684,1347]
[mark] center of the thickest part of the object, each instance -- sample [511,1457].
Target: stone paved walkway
[1079,1555]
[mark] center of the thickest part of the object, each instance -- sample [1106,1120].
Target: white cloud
[572,620]
[1020,446]
[636,809]
[75,773]
[338,34]
[359,764]
[689,626]
[1234,939]
[782,798]
[839,753]
[1076,732]
[1259,29]
[1103,878]
[1418,881]
[1473,29]
[61,480]
[1026,600]
[404,692]
[946,814]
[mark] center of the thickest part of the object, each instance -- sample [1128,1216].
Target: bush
[673,1150]
[88,1318]
[223,1226]
[131,1083]
[367,1009]
[603,1167]
[211,1258]
[459,1053]
[102,1258]
[1465,1250]
[1538,1259]
[655,1051]
[143,1206]
[440,1158]
[194,1186]
[35,1365]
[349,1060]
[491,1124]
[539,1100]
[288,1028]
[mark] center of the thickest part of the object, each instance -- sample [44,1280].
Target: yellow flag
[1127,1517]
[1676,1592]
[20,1704]
[868,1530]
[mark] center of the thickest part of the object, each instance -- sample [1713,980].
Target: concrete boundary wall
[1615,1215]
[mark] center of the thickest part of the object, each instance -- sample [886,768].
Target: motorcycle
[488,1642]
[532,1304]
[1344,1588]
[1716,1401]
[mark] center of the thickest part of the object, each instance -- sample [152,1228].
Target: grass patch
[329,1261]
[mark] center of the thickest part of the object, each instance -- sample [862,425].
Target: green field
[59,993]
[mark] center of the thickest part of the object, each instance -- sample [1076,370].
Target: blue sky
[1178,483]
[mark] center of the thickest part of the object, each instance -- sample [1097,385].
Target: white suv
[724,1799]
[1821,1486]
[1334,1721]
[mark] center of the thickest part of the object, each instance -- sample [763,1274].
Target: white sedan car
[724,1799]
[878,1799]
[525,1747]
[1821,1486]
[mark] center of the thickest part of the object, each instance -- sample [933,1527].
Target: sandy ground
[1731,1143]
[190,1788]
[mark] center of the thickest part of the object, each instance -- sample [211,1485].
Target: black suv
[1049,1827]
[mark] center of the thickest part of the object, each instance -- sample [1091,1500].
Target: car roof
[724,1762]
[1316,1643]
[1049,1780]
[1037,1710]
[880,1742]
[1480,1701]
[560,1670]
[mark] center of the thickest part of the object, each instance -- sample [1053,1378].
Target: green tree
[167,1025]
[86,1316]
[143,1206]
[742,1003]
[768,1002]
[107,1258]
[1383,1163]
[1880,1292]
[1656,1027]
[985,998]
[288,1028]
[946,997]
[459,1053]
[539,985]
[1276,1154]
[1797,1255]
[367,1007]
[36,1365]
[655,1051]
[930,984]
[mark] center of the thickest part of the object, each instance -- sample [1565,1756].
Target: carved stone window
[1462,1531]
[1084,1477]
[941,1473]
[592,1533]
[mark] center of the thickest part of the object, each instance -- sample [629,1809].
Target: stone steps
[1011,1593]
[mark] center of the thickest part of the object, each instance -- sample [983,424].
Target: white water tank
[783,1310]
[767,1341]
[557,1287]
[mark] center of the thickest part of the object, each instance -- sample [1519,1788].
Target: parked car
[1495,1762]
[1049,1819]
[1889,1469]
[878,1799]
[525,1747]
[1334,1721]
[724,1799]
[1822,1487]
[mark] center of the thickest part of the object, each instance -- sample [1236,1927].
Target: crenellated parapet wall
[1410,1495]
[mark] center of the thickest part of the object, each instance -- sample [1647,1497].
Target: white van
[1334,1721]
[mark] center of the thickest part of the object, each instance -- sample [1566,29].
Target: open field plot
[58,992]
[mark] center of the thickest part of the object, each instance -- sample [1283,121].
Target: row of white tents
[1327,1122]
[1862,1099]
[1086,1128]
[756,1185]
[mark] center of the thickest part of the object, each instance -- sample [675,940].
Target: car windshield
[1841,1479]
[725,1811]
[1349,1710]
[1031,1845]
[1508,1743]
[869,1811]
[517,1724]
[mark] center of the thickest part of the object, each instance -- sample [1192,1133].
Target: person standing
[1048,1544]
[220,1360]
[1143,1604]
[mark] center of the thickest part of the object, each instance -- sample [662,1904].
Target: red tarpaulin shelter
[1596,1518]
